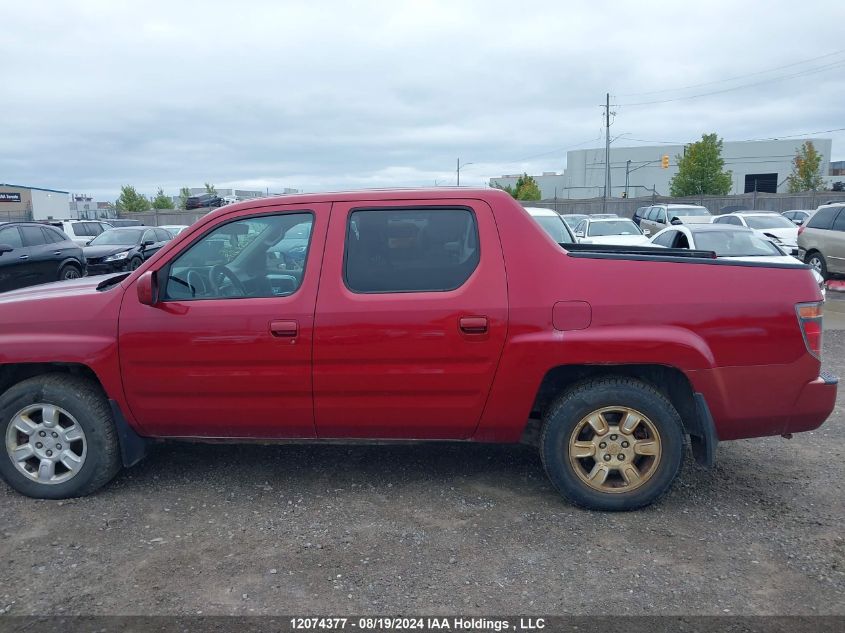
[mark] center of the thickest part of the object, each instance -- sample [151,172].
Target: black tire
[69,271]
[85,401]
[816,260]
[135,263]
[585,398]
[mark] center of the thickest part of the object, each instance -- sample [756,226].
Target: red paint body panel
[401,365]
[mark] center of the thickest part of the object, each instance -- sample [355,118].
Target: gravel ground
[433,529]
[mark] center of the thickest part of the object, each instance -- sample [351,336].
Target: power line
[718,81]
[813,71]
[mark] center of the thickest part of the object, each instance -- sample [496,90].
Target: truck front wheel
[612,444]
[60,440]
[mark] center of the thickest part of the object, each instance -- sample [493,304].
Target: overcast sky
[320,95]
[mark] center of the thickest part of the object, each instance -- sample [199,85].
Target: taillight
[801,229]
[810,321]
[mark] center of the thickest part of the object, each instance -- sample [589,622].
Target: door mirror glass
[676,220]
[646,232]
[147,287]
[147,243]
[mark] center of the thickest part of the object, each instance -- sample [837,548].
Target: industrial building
[19,202]
[761,166]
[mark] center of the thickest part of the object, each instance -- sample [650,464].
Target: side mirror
[675,220]
[579,233]
[795,252]
[5,248]
[147,243]
[646,232]
[798,221]
[147,286]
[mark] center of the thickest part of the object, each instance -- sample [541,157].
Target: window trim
[415,207]
[165,269]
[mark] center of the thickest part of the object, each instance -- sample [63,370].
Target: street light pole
[627,171]
[458,170]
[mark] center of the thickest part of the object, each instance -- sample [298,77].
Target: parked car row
[41,252]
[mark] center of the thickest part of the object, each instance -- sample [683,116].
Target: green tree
[209,188]
[184,194]
[162,201]
[701,170]
[131,201]
[806,170]
[526,188]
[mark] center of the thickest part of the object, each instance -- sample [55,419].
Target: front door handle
[24,257]
[473,324]
[284,328]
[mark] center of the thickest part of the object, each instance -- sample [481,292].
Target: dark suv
[204,201]
[32,253]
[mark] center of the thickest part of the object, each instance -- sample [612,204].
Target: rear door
[43,257]
[835,239]
[411,319]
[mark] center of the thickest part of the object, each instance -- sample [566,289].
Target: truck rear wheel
[612,444]
[60,439]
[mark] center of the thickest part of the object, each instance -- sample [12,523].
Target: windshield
[769,222]
[555,227]
[613,227]
[679,213]
[735,244]
[116,237]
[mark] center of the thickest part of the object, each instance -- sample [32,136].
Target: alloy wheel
[615,449]
[46,444]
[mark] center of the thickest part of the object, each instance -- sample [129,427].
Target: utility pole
[627,171]
[607,191]
[459,172]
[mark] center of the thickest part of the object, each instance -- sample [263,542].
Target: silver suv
[821,240]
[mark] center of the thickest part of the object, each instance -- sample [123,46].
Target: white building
[760,165]
[18,202]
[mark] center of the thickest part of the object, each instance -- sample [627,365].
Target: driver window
[253,257]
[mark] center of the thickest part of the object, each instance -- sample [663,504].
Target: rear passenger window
[839,222]
[410,250]
[665,239]
[823,218]
[52,236]
[32,235]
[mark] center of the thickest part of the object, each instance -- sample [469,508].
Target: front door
[227,350]
[411,319]
[15,270]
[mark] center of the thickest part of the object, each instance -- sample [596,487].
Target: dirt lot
[433,529]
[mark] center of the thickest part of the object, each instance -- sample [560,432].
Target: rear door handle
[473,324]
[284,328]
[24,257]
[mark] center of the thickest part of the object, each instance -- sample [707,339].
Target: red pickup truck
[443,314]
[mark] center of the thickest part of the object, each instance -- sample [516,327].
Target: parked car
[770,225]
[572,219]
[124,249]
[659,216]
[80,231]
[32,253]
[416,315]
[821,240]
[797,216]
[619,231]
[553,224]
[206,200]
[174,229]
[728,241]
[639,214]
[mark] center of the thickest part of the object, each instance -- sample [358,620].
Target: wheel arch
[668,380]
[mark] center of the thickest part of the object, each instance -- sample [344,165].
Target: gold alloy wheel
[615,449]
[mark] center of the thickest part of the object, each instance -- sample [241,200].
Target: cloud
[334,95]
